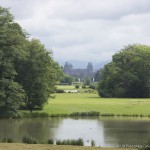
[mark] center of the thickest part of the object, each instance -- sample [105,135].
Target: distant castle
[81,73]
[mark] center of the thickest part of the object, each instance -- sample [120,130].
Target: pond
[106,132]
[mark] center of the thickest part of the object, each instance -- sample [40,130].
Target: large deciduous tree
[28,73]
[66,79]
[11,37]
[38,74]
[128,75]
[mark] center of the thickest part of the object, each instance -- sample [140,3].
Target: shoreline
[83,114]
[18,146]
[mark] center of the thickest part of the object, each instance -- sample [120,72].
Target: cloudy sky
[84,30]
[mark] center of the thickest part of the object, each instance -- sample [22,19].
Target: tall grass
[7,140]
[91,113]
[29,140]
[92,143]
[50,141]
[78,142]
[146,145]
[35,115]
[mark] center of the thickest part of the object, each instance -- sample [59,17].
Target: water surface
[107,132]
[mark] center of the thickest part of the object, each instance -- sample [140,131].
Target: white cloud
[88,30]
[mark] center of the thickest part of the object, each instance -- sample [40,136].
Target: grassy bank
[68,103]
[15,146]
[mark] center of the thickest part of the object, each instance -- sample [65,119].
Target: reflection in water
[126,132]
[104,131]
[39,128]
[87,129]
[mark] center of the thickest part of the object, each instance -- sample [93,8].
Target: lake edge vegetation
[68,142]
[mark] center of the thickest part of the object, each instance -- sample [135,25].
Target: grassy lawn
[67,103]
[72,87]
[7,146]
[66,87]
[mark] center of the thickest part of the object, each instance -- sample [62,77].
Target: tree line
[28,73]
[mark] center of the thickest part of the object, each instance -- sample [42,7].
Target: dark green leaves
[28,73]
[128,75]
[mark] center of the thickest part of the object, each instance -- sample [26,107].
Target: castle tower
[90,68]
[71,67]
[68,68]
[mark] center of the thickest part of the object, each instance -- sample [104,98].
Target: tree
[11,37]
[38,74]
[67,79]
[128,75]
[28,73]
[87,81]
[97,75]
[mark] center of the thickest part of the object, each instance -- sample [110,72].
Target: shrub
[108,115]
[4,140]
[50,141]
[7,140]
[10,140]
[80,142]
[60,91]
[146,145]
[70,142]
[58,142]
[35,115]
[29,140]
[77,86]
[91,113]
[83,86]
[92,86]
[92,143]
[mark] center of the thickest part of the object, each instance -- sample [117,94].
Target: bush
[29,140]
[70,142]
[80,142]
[50,141]
[91,113]
[83,86]
[58,142]
[10,140]
[92,143]
[108,115]
[35,115]
[4,140]
[92,86]
[60,91]
[7,140]
[146,145]
[77,86]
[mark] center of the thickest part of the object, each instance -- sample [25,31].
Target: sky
[83,30]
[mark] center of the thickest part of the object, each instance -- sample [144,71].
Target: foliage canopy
[128,75]
[28,72]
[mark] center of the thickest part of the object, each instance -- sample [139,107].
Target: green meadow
[88,100]
[67,103]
